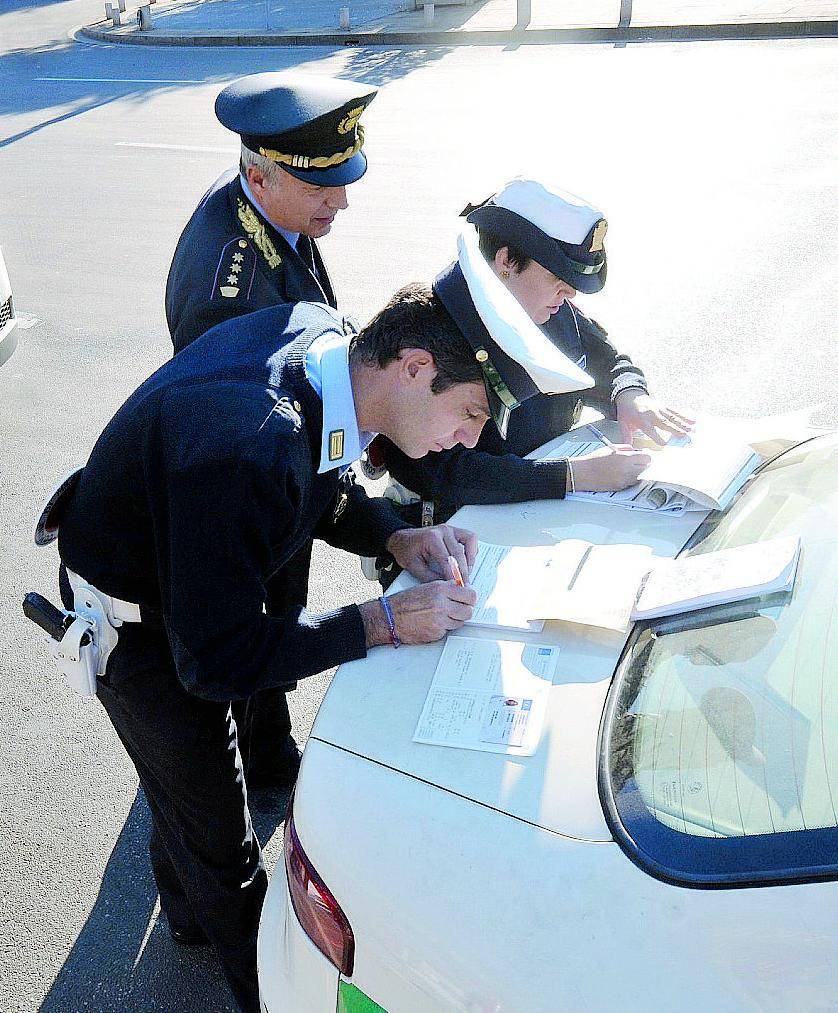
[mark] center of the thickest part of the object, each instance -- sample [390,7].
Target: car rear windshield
[719,759]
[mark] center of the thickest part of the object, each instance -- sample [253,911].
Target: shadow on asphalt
[124,960]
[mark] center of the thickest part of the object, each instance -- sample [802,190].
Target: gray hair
[268,167]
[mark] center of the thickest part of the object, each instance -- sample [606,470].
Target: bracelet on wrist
[391,622]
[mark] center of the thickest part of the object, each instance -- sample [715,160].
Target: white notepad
[715,578]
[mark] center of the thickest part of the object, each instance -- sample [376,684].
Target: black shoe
[189,937]
[280,773]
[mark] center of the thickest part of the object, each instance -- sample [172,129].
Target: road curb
[488,37]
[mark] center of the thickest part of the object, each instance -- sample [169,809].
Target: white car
[672,845]
[8,321]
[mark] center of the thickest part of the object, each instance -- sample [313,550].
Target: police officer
[210,476]
[251,244]
[544,245]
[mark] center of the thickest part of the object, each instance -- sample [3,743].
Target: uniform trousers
[205,855]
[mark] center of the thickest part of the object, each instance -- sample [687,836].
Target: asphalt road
[715,164]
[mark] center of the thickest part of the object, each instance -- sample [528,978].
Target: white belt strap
[117,610]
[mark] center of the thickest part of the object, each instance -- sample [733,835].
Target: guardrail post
[524,14]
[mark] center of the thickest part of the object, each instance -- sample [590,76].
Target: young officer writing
[205,482]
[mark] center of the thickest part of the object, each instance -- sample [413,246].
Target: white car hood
[372,706]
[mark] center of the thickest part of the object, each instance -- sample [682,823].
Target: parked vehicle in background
[671,845]
[8,321]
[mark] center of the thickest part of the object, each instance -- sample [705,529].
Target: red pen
[455,572]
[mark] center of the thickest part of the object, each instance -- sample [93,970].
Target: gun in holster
[81,640]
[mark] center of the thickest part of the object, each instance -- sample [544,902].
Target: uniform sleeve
[462,476]
[218,519]
[357,522]
[611,370]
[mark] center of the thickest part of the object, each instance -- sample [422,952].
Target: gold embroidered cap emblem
[599,235]
[348,122]
[335,444]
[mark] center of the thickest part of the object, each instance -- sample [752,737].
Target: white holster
[82,653]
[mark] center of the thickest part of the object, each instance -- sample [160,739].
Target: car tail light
[317,910]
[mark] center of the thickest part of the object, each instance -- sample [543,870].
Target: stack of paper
[715,578]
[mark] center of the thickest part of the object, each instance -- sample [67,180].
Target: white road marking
[26,320]
[175,147]
[121,80]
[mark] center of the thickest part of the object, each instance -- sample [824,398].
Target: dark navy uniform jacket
[203,486]
[230,261]
[494,471]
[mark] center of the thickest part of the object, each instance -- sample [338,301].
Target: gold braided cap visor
[316,161]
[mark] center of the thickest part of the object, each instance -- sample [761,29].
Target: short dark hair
[415,318]
[489,245]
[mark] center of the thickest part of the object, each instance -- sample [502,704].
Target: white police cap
[562,232]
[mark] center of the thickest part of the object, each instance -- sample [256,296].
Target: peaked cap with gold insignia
[305,123]
[561,232]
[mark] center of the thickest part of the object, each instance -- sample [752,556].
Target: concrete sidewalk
[397,22]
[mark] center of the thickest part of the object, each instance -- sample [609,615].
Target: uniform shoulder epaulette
[234,271]
[288,408]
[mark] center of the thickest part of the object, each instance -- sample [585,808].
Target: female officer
[544,245]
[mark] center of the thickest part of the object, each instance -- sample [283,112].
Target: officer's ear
[505,265]
[416,365]
[256,178]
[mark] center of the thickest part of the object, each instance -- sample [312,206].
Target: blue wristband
[391,622]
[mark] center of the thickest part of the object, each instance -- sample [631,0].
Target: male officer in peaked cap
[544,245]
[252,244]
[211,474]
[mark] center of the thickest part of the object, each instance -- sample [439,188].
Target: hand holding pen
[614,466]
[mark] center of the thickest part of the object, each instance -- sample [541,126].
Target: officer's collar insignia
[336,439]
[495,381]
[254,227]
[598,236]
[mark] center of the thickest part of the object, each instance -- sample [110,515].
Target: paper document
[488,695]
[702,471]
[594,585]
[714,578]
[505,579]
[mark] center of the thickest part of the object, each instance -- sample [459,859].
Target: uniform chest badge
[340,506]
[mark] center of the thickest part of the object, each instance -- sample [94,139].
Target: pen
[455,572]
[601,436]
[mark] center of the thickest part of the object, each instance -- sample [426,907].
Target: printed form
[489,695]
